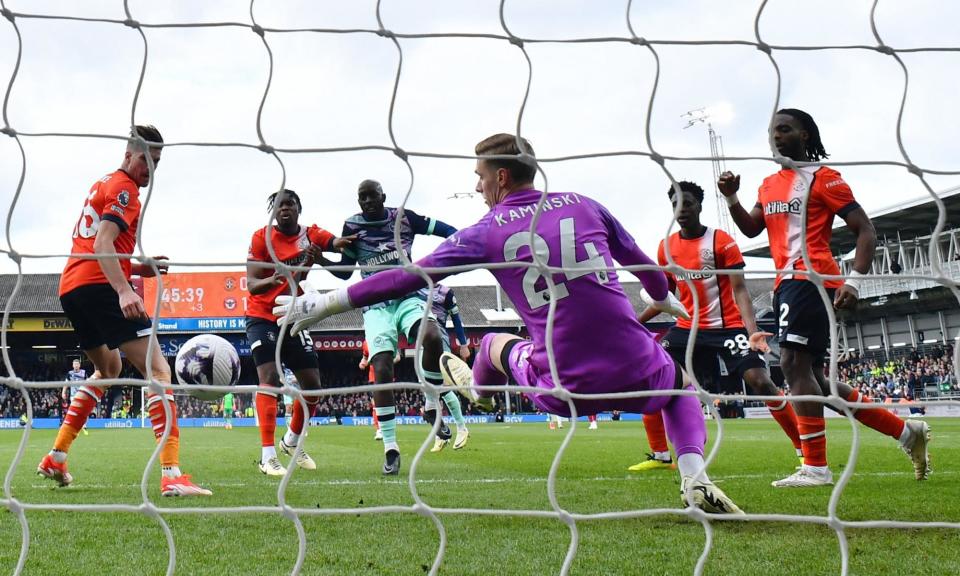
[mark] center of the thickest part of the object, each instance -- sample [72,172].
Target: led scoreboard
[198,301]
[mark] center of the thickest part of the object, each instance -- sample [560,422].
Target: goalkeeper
[598,346]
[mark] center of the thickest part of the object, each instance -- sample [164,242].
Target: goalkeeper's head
[498,177]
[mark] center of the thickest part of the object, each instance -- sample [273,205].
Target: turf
[502,467]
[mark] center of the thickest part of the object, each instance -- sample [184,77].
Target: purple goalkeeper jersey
[598,343]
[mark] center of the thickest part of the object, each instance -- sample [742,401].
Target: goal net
[269,95]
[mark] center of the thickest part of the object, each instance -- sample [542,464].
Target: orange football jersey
[715,250]
[290,251]
[116,198]
[781,199]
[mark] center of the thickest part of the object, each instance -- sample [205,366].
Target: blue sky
[334,90]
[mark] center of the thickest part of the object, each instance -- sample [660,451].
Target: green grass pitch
[503,467]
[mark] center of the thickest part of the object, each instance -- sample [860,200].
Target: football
[210,360]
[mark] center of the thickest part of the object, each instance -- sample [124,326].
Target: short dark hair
[814,147]
[148,132]
[503,144]
[368,183]
[286,194]
[689,188]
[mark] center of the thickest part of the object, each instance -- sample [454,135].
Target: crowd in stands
[925,372]
[338,370]
[919,373]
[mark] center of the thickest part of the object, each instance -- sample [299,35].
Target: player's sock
[267,452]
[880,419]
[690,464]
[484,374]
[170,453]
[656,435]
[783,412]
[592,418]
[297,420]
[171,471]
[79,411]
[388,426]
[813,440]
[430,412]
[267,418]
[376,419]
[683,420]
[453,405]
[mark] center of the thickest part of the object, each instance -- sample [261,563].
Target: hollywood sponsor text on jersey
[781,207]
[390,257]
[529,210]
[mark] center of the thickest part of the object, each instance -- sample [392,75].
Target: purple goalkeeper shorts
[516,358]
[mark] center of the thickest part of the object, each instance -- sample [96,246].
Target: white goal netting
[284,145]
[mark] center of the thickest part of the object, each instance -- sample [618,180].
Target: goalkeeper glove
[670,304]
[310,307]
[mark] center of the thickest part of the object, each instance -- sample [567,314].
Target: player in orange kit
[820,193]
[293,245]
[726,329]
[108,315]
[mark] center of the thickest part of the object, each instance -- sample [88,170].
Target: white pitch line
[647,477]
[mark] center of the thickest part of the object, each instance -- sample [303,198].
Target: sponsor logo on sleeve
[117,209]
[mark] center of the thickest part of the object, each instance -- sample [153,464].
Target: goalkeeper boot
[457,374]
[915,447]
[272,467]
[56,471]
[303,459]
[806,477]
[391,463]
[181,486]
[707,497]
[652,463]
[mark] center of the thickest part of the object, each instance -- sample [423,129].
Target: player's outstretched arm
[345,260]
[312,306]
[348,256]
[443,230]
[655,293]
[468,246]
[859,223]
[750,223]
[624,250]
[429,226]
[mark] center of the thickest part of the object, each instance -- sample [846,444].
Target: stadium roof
[38,295]
[910,219]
